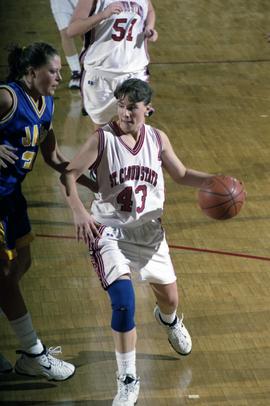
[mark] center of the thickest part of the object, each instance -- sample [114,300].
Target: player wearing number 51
[115,49]
[123,231]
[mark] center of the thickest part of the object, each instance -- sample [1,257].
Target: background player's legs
[165,314]
[62,12]
[71,54]
[69,48]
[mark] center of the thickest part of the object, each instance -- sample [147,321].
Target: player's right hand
[86,227]
[6,154]
[113,8]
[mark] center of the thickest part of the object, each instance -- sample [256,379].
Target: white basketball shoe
[44,364]
[178,336]
[128,390]
[74,82]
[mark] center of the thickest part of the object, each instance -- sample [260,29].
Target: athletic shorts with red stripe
[142,250]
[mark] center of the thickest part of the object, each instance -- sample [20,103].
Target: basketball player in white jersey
[123,230]
[62,11]
[115,49]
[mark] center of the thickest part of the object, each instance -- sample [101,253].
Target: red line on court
[64,237]
[234,254]
[177,247]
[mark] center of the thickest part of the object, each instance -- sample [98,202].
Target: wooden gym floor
[211,75]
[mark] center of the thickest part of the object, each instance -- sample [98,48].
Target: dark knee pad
[123,305]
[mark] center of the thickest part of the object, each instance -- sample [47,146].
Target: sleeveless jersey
[24,127]
[117,44]
[131,183]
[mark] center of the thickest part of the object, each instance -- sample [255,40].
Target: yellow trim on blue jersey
[5,254]
[11,254]
[2,233]
[10,113]
[20,243]
[36,103]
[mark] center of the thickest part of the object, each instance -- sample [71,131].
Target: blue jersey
[24,127]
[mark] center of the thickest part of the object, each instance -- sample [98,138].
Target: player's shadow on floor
[92,357]
[15,382]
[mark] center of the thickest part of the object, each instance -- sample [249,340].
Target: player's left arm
[149,30]
[176,169]
[54,157]
[52,154]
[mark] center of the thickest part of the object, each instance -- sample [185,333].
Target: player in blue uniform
[26,110]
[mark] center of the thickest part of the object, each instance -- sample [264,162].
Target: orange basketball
[221,197]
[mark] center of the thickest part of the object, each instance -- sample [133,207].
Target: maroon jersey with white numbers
[131,183]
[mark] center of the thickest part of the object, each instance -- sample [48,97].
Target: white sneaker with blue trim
[44,364]
[128,390]
[178,336]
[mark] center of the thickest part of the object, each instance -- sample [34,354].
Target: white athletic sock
[26,334]
[167,318]
[126,362]
[36,348]
[73,63]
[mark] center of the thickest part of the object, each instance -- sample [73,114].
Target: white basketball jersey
[131,183]
[117,44]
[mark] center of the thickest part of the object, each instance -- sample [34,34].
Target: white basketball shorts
[142,250]
[62,11]
[97,92]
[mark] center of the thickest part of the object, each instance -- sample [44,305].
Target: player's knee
[19,266]
[24,260]
[23,267]
[172,301]
[123,305]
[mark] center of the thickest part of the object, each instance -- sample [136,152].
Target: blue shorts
[15,224]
